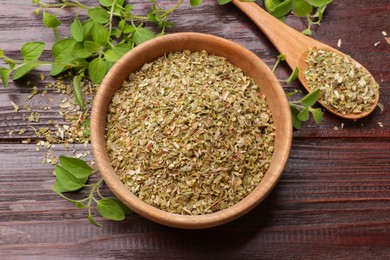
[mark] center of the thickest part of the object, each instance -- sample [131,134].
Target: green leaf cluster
[294,74]
[31,52]
[301,109]
[94,43]
[312,9]
[72,174]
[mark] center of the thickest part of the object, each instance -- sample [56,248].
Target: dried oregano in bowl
[189,133]
[186,139]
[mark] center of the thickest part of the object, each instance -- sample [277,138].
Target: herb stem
[64,4]
[166,13]
[66,198]
[55,32]
[296,104]
[111,16]
[8,59]
[281,57]
[130,17]
[99,194]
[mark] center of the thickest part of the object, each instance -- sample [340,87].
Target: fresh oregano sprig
[301,109]
[294,74]
[311,9]
[72,174]
[94,43]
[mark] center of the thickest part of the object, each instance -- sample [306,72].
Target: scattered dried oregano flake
[15,106]
[189,133]
[345,85]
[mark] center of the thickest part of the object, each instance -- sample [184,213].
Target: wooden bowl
[240,57]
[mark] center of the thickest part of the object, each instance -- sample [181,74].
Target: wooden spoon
[294,45]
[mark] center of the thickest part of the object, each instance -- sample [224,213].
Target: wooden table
[333,201]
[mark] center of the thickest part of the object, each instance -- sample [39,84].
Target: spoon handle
[287,40]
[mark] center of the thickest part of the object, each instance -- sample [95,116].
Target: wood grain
[332,201]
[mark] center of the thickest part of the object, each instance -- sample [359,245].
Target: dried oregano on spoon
[345,86]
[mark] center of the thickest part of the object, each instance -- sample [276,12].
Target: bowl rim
[99,111]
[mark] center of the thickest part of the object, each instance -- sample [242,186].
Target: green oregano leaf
[57,69]
[4,76]
[37,11]
[128,8]
[152,18]
[304,114]
[76,30]
[92,220]
[125,209]
[278,8]
[281,57]
[1,53]
[99,15]
[87,29]
[10,63]
[112,56]
[97,70]
[317,115]
[106,3]
[128,28]
[318,3]
[24,69]
[319,14]
[307,31]
[109,209]
[86,126]
[63,47]
[91,46]
[293,76]
[100,34]
[122,48]
[66,181]
[81,53]
[79,168]
[297,124]
[301,8]
[63,62]
[119,5]
[223,2]
[31,51]
[50,20]
[80,205]
[311,98]
[142,35]
[195,3]
[78,94]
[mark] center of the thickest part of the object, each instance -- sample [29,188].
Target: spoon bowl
[295,46]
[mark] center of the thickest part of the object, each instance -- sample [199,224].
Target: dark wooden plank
[332,197]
